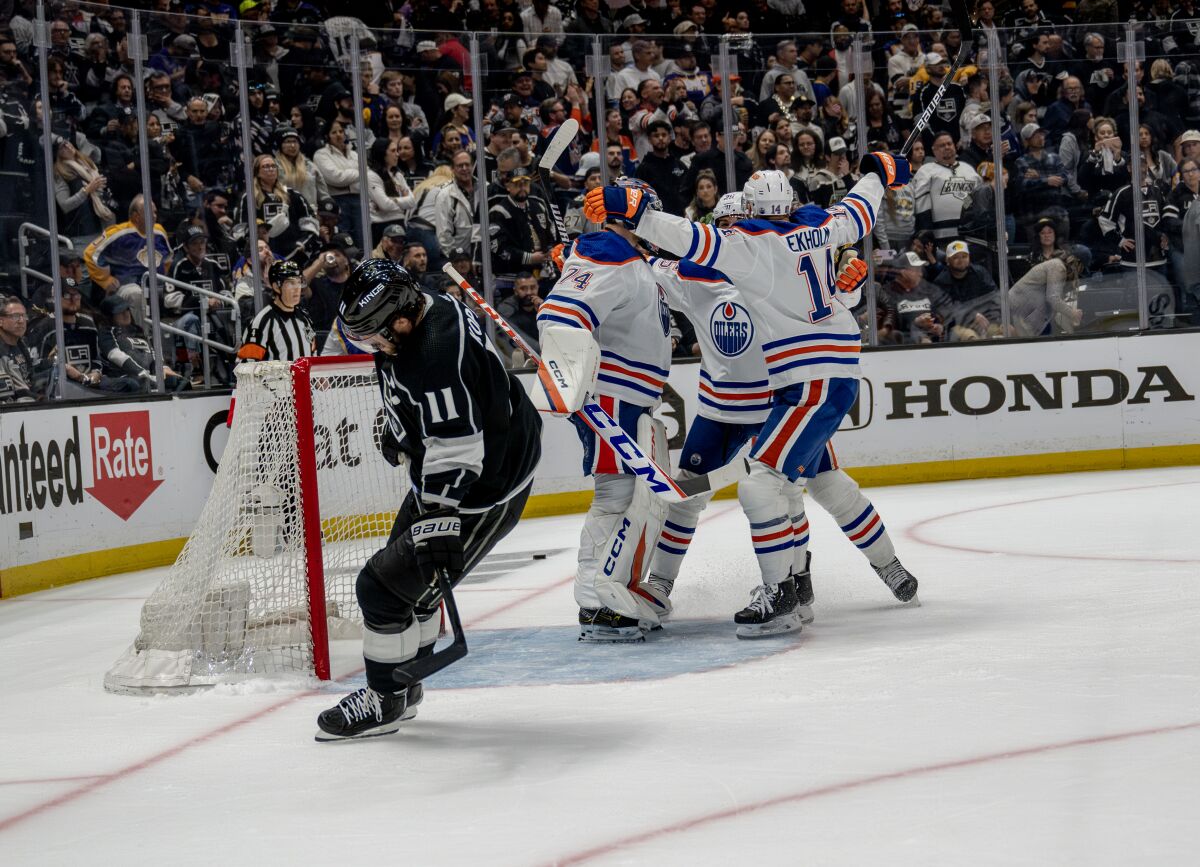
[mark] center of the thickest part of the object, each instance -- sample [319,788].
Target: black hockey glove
[438,545]
[390,448]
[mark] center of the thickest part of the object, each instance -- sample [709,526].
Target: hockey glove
[852,273]
[623,205]
[893,169]
[438,545]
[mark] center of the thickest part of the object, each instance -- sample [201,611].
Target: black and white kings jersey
[471,434]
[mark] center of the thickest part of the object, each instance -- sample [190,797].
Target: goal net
[301,499]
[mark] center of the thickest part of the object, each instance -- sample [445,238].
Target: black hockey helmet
[377,292]
[281,270]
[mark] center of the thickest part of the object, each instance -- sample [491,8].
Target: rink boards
[88,490]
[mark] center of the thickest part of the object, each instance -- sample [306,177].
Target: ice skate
[804,591]
[659,589]
[772,611]
[606,625]
[899,580]
[366,713]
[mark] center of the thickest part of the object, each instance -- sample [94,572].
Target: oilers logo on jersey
[732,328]
[664,311]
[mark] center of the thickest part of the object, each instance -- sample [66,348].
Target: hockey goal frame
[310,497]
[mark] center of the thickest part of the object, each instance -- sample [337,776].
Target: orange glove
[557,255]
[851,275]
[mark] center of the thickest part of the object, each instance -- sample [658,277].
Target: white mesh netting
[236,602]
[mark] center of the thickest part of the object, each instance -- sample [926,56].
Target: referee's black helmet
[282,270]
[377,292]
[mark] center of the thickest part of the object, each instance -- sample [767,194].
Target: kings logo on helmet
[370,296]
[732,329]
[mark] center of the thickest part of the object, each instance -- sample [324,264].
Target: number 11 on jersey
[819,290]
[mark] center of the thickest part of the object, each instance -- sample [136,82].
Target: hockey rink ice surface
[1041,706]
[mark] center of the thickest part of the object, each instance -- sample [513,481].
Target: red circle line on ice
[917,531]
[90,784]
[849,785]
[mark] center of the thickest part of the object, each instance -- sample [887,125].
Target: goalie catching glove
[622,202]
[893,170]
[437,543]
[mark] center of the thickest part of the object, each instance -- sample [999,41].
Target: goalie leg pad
[762,499]
[619,533]
[839,495]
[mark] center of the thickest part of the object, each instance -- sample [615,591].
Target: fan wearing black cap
[281,331]
[324,278]
[125,351]
[522,231]
[193,266]
[472,440]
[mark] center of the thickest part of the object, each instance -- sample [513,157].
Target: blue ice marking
[546,655]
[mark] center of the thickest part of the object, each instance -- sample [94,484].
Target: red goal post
[301,499]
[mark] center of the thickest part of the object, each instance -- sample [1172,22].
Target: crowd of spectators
[1060,113]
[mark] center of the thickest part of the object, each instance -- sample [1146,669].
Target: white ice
[1042,706]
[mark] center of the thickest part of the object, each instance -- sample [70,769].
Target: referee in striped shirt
[281,331]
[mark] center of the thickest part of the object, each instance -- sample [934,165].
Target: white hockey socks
[762,499]
[794,494]
[839,495]
[678,530]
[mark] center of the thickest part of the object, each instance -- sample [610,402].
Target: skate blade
[778,626]
[806,613]
[594,635]
[324,737]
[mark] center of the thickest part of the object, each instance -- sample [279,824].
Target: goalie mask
[653,202]
[768,194]
[377,292]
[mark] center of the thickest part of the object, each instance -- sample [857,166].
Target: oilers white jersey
[607,288]
[786,271]
[733,383]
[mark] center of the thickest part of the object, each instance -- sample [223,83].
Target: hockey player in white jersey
[783,264]
[605,329]
[734,400]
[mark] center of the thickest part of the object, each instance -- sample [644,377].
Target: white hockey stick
[594,416]
[563,136]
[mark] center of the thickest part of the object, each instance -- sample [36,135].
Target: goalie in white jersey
[783,264]
[605,329]
[734,401]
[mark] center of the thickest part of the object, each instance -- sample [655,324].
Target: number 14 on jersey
[819,288]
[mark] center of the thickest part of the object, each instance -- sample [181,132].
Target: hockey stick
[561,140]
[963,17]
[603,425]
[419,669]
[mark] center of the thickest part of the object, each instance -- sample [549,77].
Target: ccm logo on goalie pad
[615,551]
[436,527]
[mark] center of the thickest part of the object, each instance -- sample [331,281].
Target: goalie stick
[559,142]
[603,425]
[963,17]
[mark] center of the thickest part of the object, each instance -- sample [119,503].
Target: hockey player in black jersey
[472,441]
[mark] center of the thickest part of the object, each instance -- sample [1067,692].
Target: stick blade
[563,137]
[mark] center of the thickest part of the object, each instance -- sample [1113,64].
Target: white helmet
[768,194]
[729,205]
